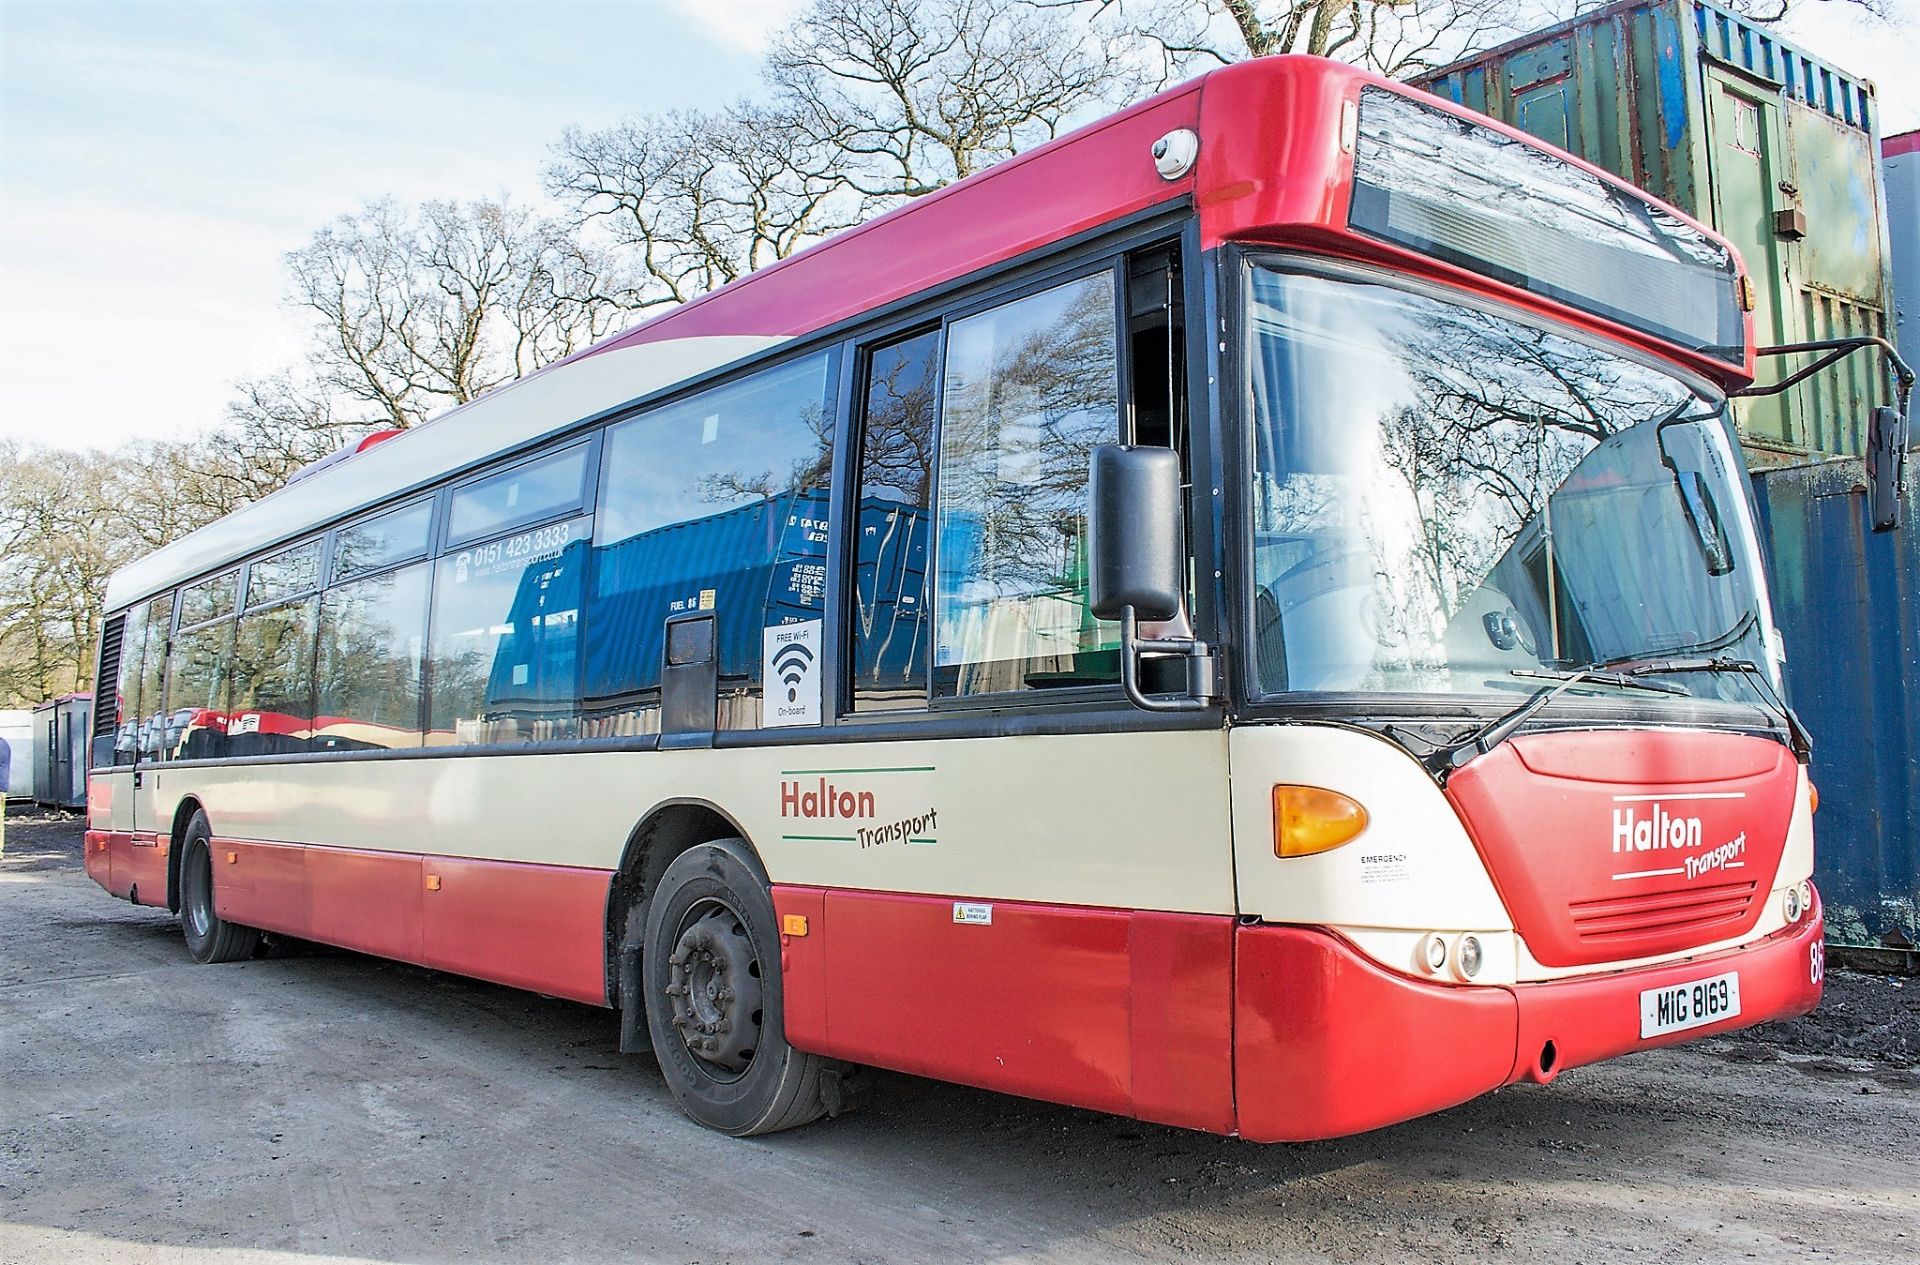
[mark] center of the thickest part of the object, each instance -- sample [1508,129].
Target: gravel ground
[319,1106]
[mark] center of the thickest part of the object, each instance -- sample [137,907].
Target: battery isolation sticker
[790,675]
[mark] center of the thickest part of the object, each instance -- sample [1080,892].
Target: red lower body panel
[538,927]
[1328,1043]
[1274,1033]
[128,863]
[1120,1011]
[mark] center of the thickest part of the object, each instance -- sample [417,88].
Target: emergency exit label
[790,675]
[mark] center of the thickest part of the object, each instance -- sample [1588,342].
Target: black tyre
[210,938]
[710,970]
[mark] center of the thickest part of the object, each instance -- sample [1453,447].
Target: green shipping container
[1776,149]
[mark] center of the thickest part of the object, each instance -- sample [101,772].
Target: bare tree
[915,94]
[416,313]
[702,199]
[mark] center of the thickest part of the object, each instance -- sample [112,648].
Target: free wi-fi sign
[790,675]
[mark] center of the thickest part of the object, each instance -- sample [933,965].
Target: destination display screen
[1479,199]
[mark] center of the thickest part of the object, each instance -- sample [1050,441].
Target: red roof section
[1904,143]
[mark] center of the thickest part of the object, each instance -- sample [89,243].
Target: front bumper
[1329,1043]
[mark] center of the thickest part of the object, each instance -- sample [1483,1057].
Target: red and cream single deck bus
[1247,616]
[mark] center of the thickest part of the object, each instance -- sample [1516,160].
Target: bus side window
[891,626]
[1030,389]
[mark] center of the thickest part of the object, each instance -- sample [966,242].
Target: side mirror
[1133,532]
[1886,467]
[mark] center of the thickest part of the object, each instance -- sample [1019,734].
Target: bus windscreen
[1462,192]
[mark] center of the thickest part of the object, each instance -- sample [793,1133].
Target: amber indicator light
[1310,819]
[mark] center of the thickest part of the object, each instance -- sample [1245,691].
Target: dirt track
[324,1106]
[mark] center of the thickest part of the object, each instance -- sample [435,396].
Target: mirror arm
[1836,349]
[1200,693]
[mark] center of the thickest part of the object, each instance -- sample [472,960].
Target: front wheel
[210,938]
[711,972]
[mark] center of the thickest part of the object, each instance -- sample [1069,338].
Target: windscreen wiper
[1798,739]
[1496,731]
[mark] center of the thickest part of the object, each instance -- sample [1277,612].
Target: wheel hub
[713,983]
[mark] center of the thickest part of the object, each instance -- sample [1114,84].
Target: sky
[158,158]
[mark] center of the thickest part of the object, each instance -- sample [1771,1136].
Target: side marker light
[793,925]
[1310,819]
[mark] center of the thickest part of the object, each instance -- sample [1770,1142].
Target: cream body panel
[1137,820]
[503,419]
[1438,882]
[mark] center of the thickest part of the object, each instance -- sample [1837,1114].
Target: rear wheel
[711,979]
[210,938]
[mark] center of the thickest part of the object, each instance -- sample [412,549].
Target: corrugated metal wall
[1719,117]
[1848,601]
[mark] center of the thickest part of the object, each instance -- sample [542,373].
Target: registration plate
[1692,1005]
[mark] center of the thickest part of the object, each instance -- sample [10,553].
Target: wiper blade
[1798,739]
[1496,731]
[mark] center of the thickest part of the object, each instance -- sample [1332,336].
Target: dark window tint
[383,541]
[286,574]
[209,599]
[506,635]
[197,672]
[524,494]
[1030,389]
[153,678]
[372,638]
[717,503]
[892,626]
[271,708]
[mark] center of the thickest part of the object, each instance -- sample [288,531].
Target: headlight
[1791,904]
[1433,952]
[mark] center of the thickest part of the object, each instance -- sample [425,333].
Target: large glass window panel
[126,736]
[1446,500]
[153,679]
[373,636]
[891,637]
[506,637]
[209,599]
[382,541]
[524,493]
[201,662]
[716,503]
[271,701]
[286,574]
[1030,389]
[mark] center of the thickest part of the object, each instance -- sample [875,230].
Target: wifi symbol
[790,664]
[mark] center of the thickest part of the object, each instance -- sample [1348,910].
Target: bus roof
[1271,167]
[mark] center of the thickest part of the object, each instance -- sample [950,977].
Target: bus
[1247,616]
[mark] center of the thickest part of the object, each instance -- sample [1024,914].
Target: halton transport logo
[1663,842]
[858,806]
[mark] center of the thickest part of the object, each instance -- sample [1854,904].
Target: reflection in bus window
[891,624]
[393,537]
[153,678]
[525,493]
[716,503]
[373,636]
[271,709]
[209,599]
[197,674]
[506,634]
[1031,388]
[286,574]
[126,735]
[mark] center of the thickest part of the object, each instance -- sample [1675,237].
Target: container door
[1745,168]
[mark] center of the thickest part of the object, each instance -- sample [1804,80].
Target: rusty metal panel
[1773,147]
[1847,600]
